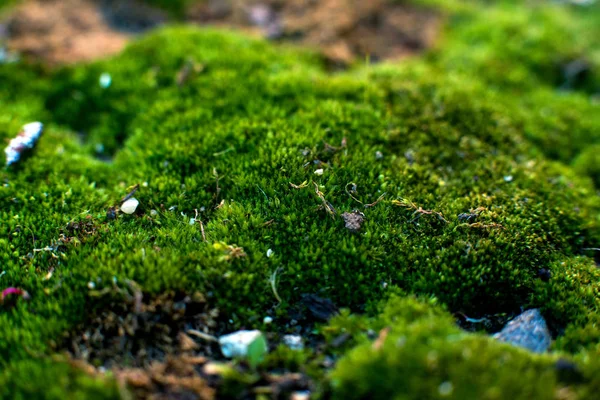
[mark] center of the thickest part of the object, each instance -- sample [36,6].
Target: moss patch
[260,149]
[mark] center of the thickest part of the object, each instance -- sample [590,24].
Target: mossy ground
[483,124]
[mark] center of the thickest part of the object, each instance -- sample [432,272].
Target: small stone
[445,389]
[378,155]
[24,141]
[294,342]
[105,80]
[353,220]
[302,395]
[91,285]
[544,274]
[267,320]
[319,171]
[237,344]
[129,206]
[270,253]
[153,213]
[111,213]
[321,308]
[508,178]
[528,330]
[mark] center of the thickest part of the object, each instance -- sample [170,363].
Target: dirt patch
[129,328]
[344,30]
[162,347]
[68,31]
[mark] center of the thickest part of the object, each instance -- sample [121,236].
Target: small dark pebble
[340,340]
[568,371]
[544,274]
[467,217]
[111,213]
[319,307]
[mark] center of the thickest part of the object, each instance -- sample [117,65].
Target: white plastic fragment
[26,139]
[129,206]
[319,171]
[236,344]
[294,342]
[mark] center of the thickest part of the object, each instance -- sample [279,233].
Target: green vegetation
[221,124]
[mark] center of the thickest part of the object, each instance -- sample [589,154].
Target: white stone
[129,206]
[236,344]
[319,171]
[105,80]
[270,253]
[26,139]
[267,320]
[294,342]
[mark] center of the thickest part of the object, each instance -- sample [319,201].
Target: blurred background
[66,31]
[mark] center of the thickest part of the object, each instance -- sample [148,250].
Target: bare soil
[69,31]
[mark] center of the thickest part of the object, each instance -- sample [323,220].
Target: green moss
[45,379]
[176,8]
[424,355]
[250,119]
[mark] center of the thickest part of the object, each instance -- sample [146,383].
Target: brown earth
[344,30]
[68,31]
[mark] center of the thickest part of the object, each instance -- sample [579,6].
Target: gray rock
[528,330]
[353,220]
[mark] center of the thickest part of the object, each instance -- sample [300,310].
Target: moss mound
[247,154]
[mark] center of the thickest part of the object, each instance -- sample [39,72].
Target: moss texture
[479,126]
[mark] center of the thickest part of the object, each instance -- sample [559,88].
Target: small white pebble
[145,184]
[508,178]
[445,389]
[130,205]
[319,171]
[105,80]
[26,139]
[378,155]
[192,221]
[153,213]
[91,285]
[294,342]
[303,395]
[270,253]
[267,320]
